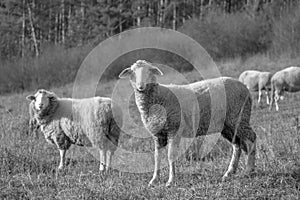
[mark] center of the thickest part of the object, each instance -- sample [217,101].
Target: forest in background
[43,42]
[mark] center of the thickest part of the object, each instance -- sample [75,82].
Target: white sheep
[257,81]
[90,122]
[163,114]
[288,80]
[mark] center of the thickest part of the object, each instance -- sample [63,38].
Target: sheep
[162,114]
[287,79]
[91,122]
[257,81]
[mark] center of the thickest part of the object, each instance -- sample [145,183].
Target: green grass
[28,164]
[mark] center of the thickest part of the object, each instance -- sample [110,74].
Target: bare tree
[174,16]
[33,30]
[63,21]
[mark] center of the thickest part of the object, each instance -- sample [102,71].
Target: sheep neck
[44,116]
[146,99]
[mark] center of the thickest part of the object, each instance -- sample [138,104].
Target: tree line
[27,26]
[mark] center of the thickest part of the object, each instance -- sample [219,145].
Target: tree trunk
[138,19]
[183,12]
[63,21]
[69,29]
[56,37]
[50,24]
[33,31]
[161,13]
[174,16]
[201,9]
[23,30]
[82,20]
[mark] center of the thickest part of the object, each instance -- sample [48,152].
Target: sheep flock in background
[287,80]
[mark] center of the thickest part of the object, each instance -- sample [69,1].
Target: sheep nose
[141,86]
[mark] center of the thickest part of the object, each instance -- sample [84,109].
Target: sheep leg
[108,159]
[267,97]
[259,96]
[172,153]
[236,153]
[233,138]
[157,160]
[62,153]
[271,102]
[251,148]
[276,100]
[102,160]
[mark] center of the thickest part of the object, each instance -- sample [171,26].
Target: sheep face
[141,73]
[41,99]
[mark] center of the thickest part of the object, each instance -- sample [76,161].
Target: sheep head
[141,73]
[41,99]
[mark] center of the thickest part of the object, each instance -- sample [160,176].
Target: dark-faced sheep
[257,81]
[285,80]
[90,122]
[162,114]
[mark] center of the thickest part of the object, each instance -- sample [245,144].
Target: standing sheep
[91,122]
[285,80]
[257,81]
[163,115]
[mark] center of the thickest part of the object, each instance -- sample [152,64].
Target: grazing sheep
[285,80]
[91,122]
[257,81]
[163,115]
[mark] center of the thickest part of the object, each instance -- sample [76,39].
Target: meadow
[28,163]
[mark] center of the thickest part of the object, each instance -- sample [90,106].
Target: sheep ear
[30,97]
[125,73]
[52,97]
[156,71]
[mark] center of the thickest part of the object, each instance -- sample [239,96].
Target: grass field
[28,164]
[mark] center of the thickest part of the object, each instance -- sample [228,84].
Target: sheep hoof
[152,182]
[60,171]
[225,177]
[102,168]
[169,184]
